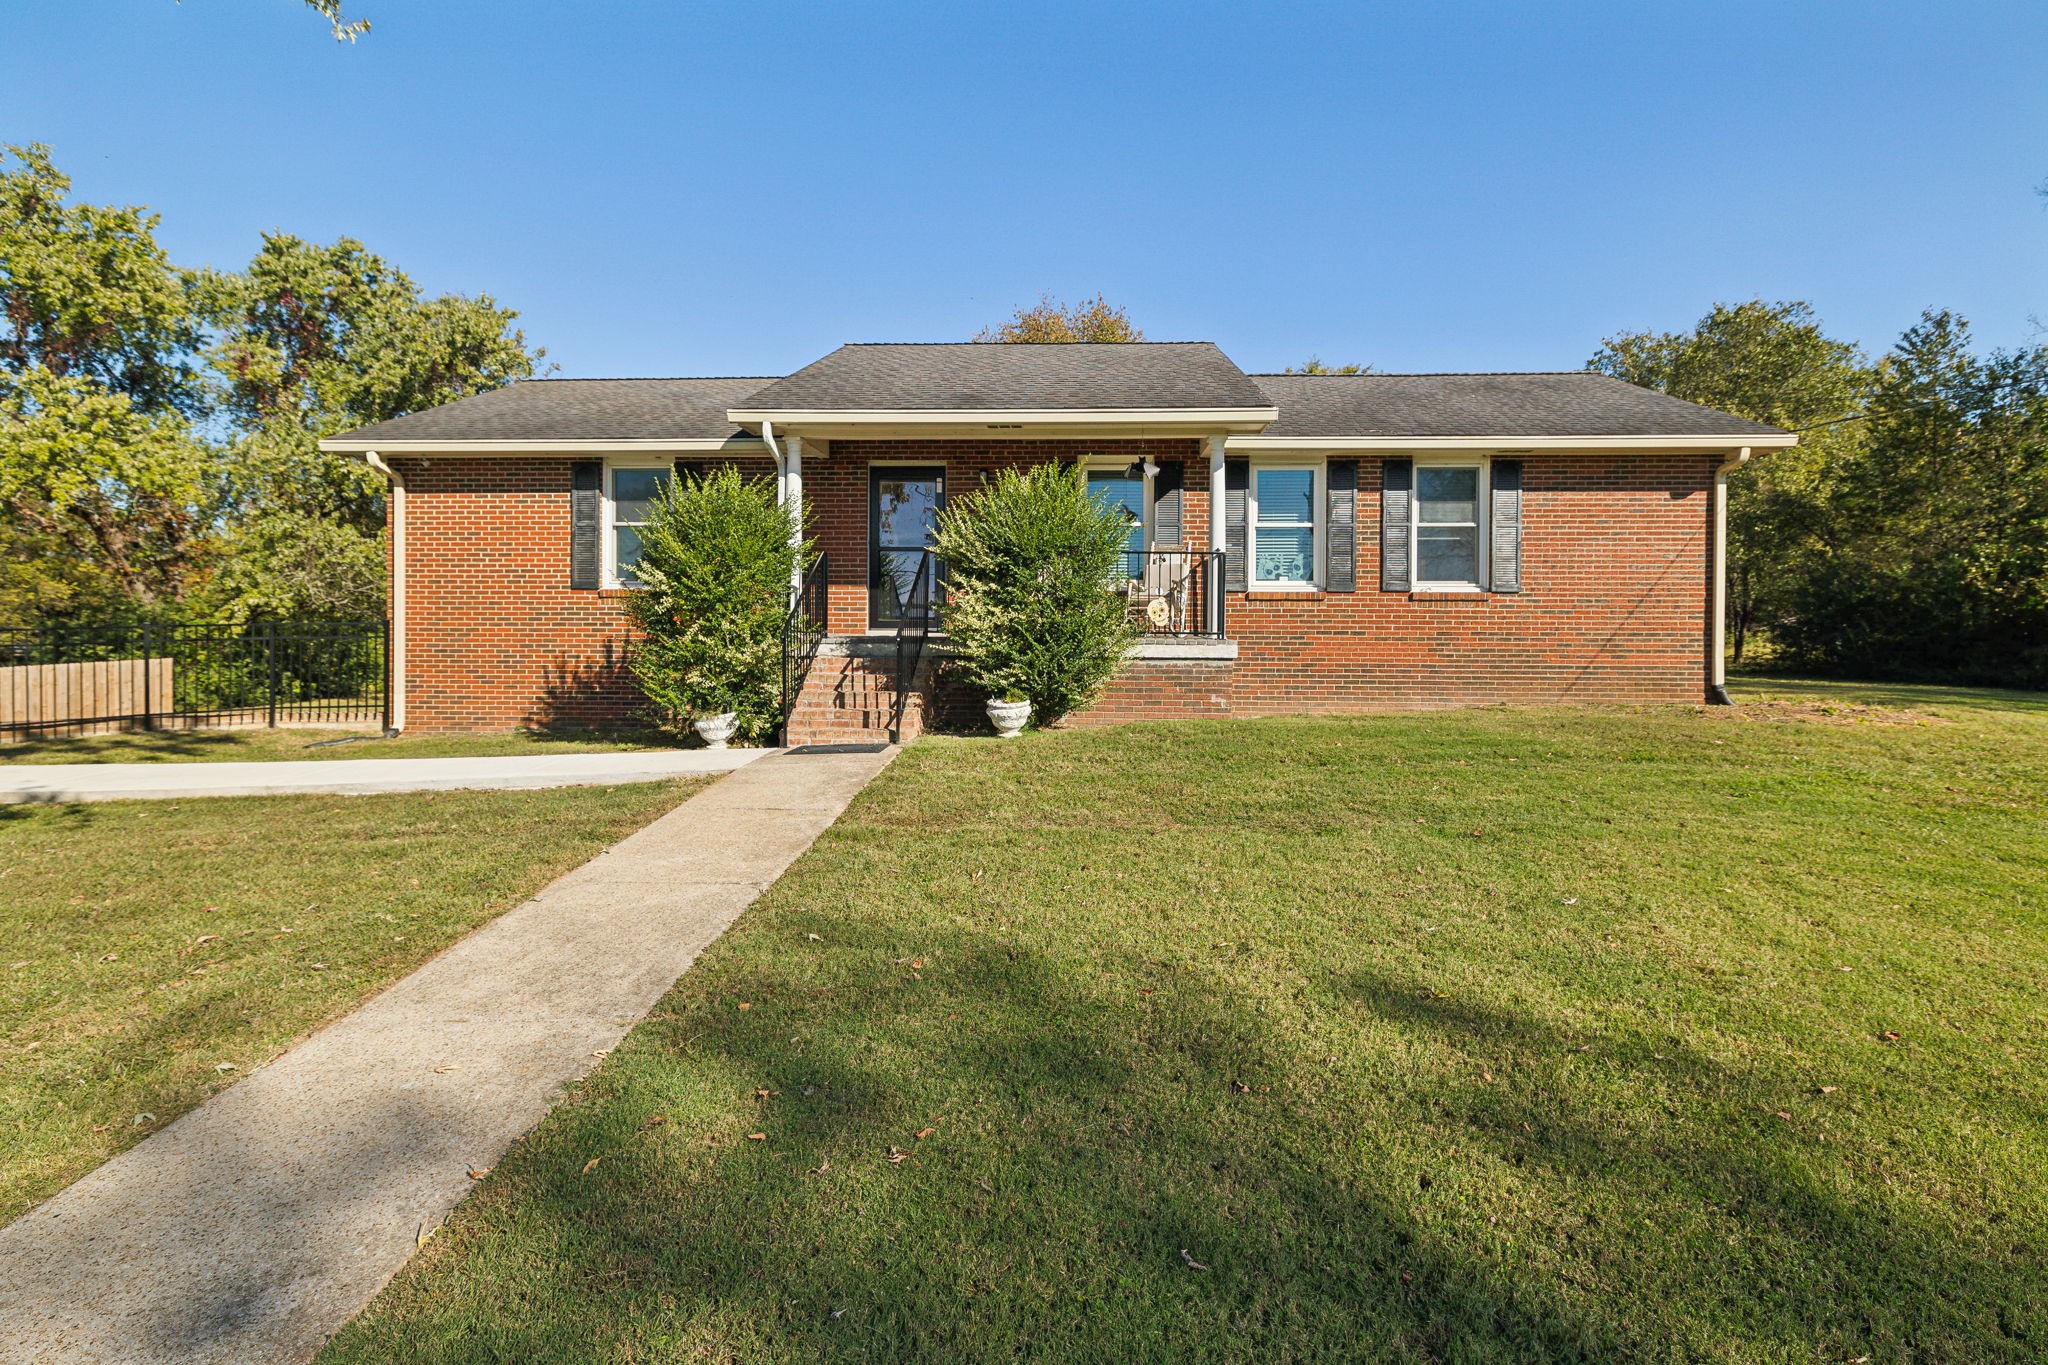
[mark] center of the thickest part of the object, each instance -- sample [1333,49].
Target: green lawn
[153,951]
[197,746]
[1493,1035]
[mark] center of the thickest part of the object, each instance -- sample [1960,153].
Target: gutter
[397,482]
[1717,657]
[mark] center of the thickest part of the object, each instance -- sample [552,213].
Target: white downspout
[1717,659]
[397,482]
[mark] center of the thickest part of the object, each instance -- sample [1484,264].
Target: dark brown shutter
[1341,483]
[586,529]
[1237,481]
[1397,484]
[1169,516]
[1506,545]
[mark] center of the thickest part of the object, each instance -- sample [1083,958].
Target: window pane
[1286,495]
[1283,553]
[904,596]
[1126,493]
[632,490]
[1447,494]
[626,549]
[906,510]
[1447,555]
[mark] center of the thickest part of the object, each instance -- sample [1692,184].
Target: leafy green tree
[311,340]
[1029,610]
[1938,565]
[1049,320]
[87,293]
[99,489]
[717,556]
[1314,365]
[345,29]
[1770,362]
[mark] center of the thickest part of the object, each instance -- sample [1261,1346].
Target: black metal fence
[803,630]
[81,679]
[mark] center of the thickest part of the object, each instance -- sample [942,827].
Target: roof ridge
[635,378]
[1426,374]
[844,344]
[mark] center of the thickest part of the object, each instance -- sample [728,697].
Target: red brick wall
[1615,563]
[495,637]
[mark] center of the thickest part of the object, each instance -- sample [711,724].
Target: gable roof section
[973,376]
[1555,405]
[546,411]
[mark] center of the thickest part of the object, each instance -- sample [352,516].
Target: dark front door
[903,511]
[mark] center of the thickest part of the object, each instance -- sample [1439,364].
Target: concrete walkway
[63,782]
[255,1226]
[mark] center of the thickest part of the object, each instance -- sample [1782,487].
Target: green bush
[1029,562]
[716,560]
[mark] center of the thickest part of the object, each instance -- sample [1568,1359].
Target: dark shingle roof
[579,410]
[1567,403]
[981,375]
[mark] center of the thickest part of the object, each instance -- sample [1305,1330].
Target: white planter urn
[1008,717]
[716,730]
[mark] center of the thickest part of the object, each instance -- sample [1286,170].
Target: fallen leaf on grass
[110,957]
[746,1004]
[1784,1113]
[319,966]
[141,1119]
[226,1066]
[1889,1036]
[815,938]
[762,1093]
[897,1158]
[591,1164]
[757,1137]
[205,938]
[1193,1264]
[924,1133]
[822,1166]
[479,1172]
[1240,1087]
[1829,1089]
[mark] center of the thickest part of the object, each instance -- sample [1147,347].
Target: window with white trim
[1284,525]
[1449,502]
[1127,489]
[629,491]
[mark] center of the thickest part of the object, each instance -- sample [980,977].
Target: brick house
[1298,542]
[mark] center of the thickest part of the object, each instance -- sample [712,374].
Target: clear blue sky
[670,188]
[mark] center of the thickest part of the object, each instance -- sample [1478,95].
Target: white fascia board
[1205,419]
[352,445]
[1509,444]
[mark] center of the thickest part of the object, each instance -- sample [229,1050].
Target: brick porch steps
[852,700]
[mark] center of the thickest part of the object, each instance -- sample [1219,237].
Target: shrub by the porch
[1029,560]
[716,558]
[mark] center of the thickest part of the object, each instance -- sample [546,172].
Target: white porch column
[793,495]
[1216,531]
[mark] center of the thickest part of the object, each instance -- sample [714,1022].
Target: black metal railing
[803,630]
[79,679]
[1174,592]
[911,637]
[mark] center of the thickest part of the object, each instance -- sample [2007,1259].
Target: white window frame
[1482,512]
[1319,517]
[609,520]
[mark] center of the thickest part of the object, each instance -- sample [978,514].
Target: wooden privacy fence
[89,680]
[68,696]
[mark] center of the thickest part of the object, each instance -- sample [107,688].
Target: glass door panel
[903,510]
